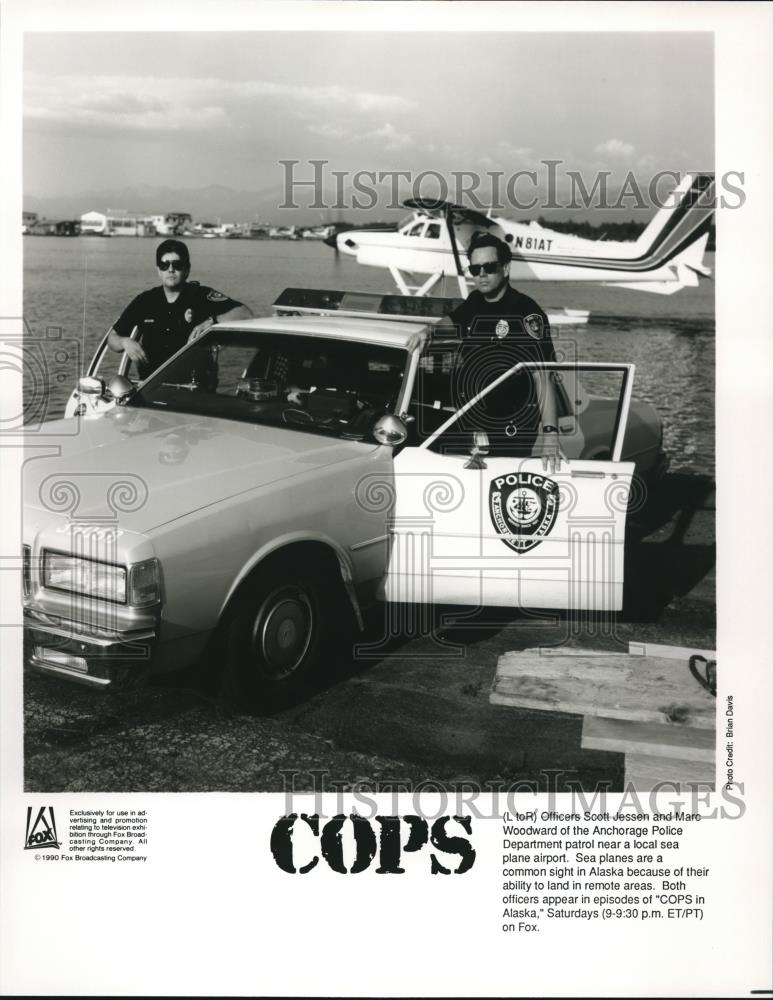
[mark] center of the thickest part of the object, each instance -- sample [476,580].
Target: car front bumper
[98,658]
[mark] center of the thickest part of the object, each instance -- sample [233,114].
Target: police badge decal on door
[523,508]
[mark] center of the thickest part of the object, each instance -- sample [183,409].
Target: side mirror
[90,386]
[390,429]
[120,388]
[479,450]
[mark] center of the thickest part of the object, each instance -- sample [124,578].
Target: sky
[116,112]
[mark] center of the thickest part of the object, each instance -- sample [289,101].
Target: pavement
[409,708]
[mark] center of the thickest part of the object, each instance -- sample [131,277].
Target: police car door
[503,531]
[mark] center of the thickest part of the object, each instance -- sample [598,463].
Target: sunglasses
[490,267]
[175,265]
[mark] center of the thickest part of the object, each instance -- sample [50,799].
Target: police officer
[168,316]
[500,327]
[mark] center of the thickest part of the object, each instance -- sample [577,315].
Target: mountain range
[206,204]
[220,202]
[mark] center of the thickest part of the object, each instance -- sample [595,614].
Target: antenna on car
[83,332]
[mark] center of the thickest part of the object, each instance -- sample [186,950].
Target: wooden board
[575,651]
[634,649]
[668,652]
[649,738]
[643,772]
[636,688]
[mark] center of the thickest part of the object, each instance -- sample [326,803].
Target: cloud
[646,163]
[328,131]
[390,137]
[615,147]
[387,137]
[515,155]
[148,103]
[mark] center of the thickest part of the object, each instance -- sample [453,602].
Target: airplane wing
[443,209]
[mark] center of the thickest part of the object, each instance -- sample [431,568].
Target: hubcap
[283,630]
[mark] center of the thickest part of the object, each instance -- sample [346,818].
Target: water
[80,285]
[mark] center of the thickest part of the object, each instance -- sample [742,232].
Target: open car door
[495,530]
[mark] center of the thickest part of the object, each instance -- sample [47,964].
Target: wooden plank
[668,652]
[650,738]
[634,649]
[644,772]
[637,688]
[575,651]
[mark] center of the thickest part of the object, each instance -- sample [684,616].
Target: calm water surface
[81,285]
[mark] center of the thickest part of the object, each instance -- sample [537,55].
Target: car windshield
[318,384]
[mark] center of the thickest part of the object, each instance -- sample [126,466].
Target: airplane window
[417,229]
[433,231]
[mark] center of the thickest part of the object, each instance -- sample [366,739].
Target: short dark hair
[481,240]
[173,246]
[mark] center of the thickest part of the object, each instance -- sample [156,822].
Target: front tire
[275,638]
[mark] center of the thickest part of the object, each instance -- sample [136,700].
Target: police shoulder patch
[523,508]
[534,325]
[215,296]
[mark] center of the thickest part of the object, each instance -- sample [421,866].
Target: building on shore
[119,222]
[55,227]
[206,229]
[93,223]
[28,220]
[169,223]
[123,223]
[284,233]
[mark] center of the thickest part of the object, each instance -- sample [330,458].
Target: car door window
[591,403]
[432,401]
[106,363]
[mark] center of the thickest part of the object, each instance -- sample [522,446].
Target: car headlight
[84,576]
[139,587]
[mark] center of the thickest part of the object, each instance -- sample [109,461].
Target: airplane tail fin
[677,236]
[687,267]
[686,210]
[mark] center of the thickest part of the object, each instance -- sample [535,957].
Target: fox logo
[41,833]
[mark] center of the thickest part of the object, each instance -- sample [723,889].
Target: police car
[279,474]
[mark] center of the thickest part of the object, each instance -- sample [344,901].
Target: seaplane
[432,242]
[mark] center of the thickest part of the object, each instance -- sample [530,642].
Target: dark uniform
[496,336]
[163,326]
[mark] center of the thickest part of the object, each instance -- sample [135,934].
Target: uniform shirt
[163,326]
[496,336]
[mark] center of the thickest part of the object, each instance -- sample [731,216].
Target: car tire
[276,635]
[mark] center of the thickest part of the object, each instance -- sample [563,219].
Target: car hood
[146,468]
